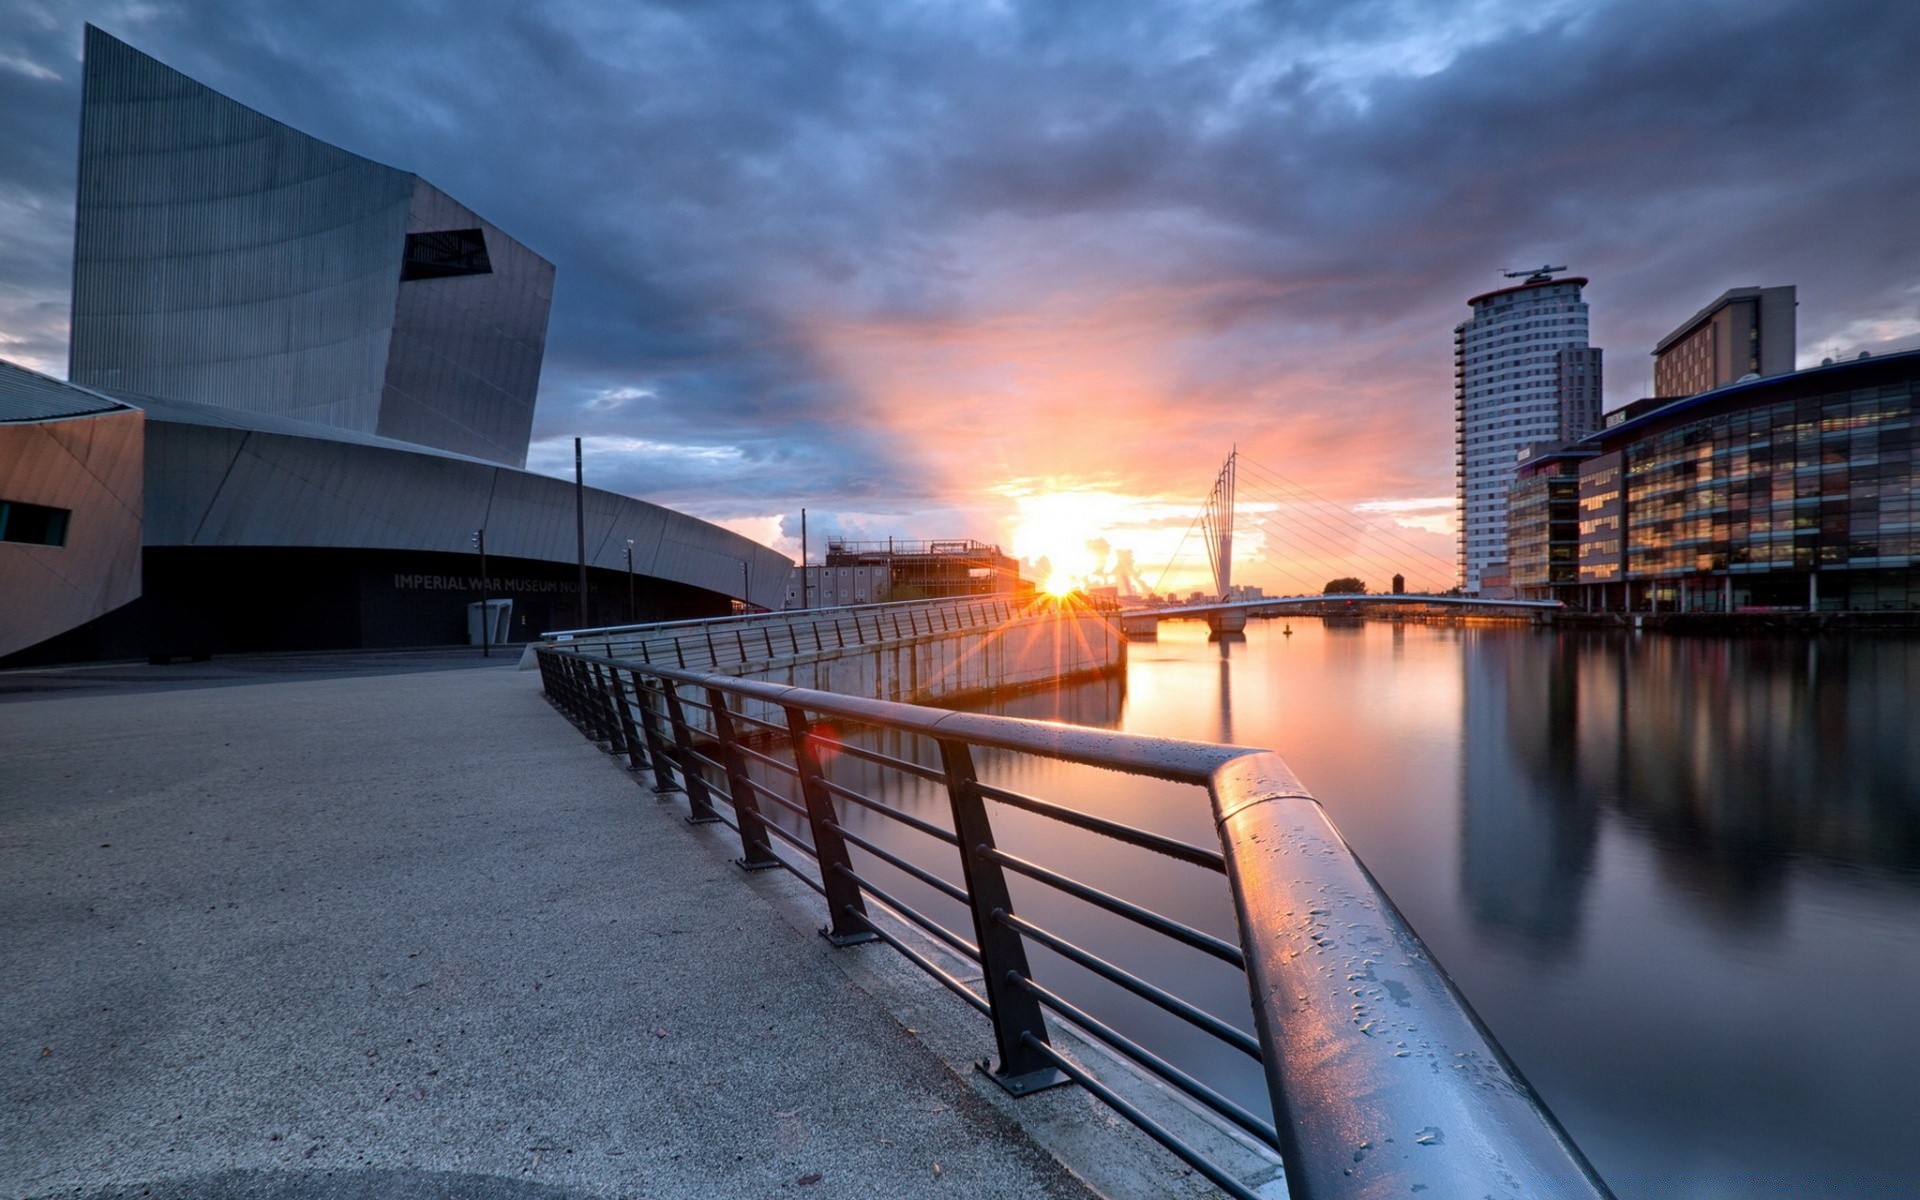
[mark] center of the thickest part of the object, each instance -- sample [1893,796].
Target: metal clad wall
[465,363]
[89,466]
[222,256]
[215,485]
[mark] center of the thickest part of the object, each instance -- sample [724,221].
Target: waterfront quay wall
[1737,624]
[923,652]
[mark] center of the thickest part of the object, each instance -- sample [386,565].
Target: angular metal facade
[70,450]
[223,257]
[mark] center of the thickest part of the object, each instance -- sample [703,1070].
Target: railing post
[1003,955]
[656,745]
[604,688]
[844,903]
[756,844]
[699,804]
[623,713]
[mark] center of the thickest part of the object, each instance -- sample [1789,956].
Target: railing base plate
[744,865]
[848,939]
[701,820]
[1024,1085]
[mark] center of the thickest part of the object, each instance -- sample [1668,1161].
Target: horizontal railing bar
[768,760]
[925,876]
[1132,836]
[953,982]
[1200,940]
[1240,1116]
[1129,753]
[961,945]
[741,718]
[1153,994]
[791,839]
[899,764]
[768,793]
[907,819]
[1152,1128]
[779,619]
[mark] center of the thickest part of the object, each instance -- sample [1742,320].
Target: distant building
[1523,373]
[830,587]
[1747,331]
[896,569]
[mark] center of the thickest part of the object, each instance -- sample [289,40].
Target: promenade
[350,927]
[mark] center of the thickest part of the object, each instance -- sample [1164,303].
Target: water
[1679,878]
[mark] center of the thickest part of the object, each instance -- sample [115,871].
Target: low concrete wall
[1026,652]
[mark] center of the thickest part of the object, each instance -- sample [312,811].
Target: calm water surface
[1679,878]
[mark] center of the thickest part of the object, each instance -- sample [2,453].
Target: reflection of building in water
[1743,756]
[1527,832]
[1737,759]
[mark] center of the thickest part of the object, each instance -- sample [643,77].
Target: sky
[1027,272]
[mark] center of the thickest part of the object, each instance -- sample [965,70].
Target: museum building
[301,390]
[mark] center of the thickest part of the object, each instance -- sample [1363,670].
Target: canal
[1678,877]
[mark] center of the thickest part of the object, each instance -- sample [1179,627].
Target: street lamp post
[629,581]
[486,606]
[746,586]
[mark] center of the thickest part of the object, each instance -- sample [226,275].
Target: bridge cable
[1352,517]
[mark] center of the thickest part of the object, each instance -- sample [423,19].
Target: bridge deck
[412,931]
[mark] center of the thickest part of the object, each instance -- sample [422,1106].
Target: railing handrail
[603,631]
[1382,1078]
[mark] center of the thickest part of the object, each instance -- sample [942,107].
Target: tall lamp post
[629,581]
[746,587]
[486,606]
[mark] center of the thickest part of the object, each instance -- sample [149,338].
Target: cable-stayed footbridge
[1325,548]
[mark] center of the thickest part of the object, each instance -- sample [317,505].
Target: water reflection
[1679,878]
[1527,845]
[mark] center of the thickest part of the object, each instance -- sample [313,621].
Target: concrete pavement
[409,935]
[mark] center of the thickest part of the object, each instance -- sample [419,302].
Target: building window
[445,253]
[34,524]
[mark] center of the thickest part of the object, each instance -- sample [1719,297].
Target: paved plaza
[353,928]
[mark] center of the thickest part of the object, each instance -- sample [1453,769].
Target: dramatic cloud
[895,262]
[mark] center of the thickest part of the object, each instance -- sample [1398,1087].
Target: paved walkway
[410,935]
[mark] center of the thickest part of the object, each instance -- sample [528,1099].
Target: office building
[1543,520]
[1747,331]
[1783,491]
[1523,373]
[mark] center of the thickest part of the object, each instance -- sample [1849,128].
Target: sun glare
[1058,526]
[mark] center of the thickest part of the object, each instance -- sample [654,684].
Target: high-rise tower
[1522,373]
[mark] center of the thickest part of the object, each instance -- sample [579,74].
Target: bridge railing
[717,642]
[1380,1078]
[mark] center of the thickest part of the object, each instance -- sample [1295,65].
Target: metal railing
[766,637]
[1380,1077]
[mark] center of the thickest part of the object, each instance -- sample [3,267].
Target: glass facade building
[1543,521]
[1796,491]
